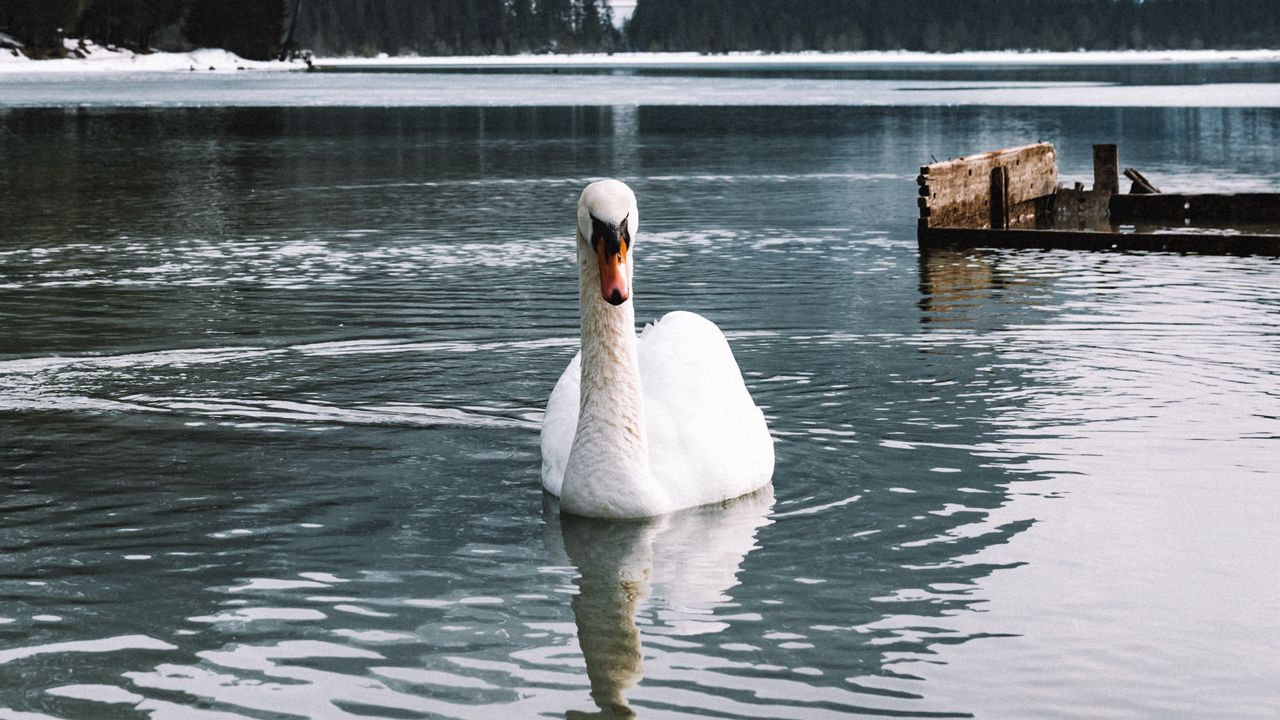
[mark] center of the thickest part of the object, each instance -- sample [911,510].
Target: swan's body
[638,427]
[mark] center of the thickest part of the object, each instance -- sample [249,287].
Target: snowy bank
[96,58]
[809,59]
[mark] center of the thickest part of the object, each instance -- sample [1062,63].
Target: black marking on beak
[616,239]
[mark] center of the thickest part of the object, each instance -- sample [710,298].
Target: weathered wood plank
[1216,244]
[959,190]
[1034,213]
[1010,199]
[1196,209]
[1141,185]
[1079,209]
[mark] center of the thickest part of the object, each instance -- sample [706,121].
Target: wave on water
[120,383]
[398,414]
[333,258]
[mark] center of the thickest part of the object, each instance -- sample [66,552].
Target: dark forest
[262,29]
[946,26]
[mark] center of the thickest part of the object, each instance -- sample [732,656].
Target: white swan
[638,427]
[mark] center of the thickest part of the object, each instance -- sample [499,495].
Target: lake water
[271,381]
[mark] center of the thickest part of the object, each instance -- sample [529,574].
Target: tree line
[456,27]
[251,27]
[715,26]
[262,29]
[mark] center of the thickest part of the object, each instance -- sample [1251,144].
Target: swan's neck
[609,462]
[612,409]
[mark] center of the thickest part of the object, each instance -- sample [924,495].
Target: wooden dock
[1012,199]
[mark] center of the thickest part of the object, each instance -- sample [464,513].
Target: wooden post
[999,198]
[1106,169]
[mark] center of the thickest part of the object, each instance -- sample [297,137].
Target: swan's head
[607,222]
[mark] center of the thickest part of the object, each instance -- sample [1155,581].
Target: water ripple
[270,382]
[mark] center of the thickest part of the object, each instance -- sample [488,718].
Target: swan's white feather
[707,439]
[559,425]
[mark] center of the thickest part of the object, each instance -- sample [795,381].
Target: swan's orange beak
[615,278]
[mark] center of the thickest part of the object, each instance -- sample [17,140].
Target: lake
[271,379]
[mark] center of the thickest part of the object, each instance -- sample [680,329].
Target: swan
[643,426]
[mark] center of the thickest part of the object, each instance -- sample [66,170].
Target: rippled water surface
[271,382]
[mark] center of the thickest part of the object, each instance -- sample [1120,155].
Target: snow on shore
[98,58]
[102,59]
[811,59]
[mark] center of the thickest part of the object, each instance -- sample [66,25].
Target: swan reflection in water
[687,560]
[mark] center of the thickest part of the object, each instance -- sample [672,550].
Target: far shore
[804,59]
[99,59]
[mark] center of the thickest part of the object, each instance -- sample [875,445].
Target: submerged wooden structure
[1012,199]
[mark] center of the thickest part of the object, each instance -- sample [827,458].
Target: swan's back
[707,440]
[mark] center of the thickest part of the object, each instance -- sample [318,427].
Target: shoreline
[102,59]
[801,60]
[107,59]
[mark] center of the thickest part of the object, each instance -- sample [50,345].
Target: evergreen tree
[948,26]
[254,28]
[128,22]
[250,28]
[41,24]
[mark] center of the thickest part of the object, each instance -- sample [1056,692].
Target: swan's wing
[559,425]
[708,441]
